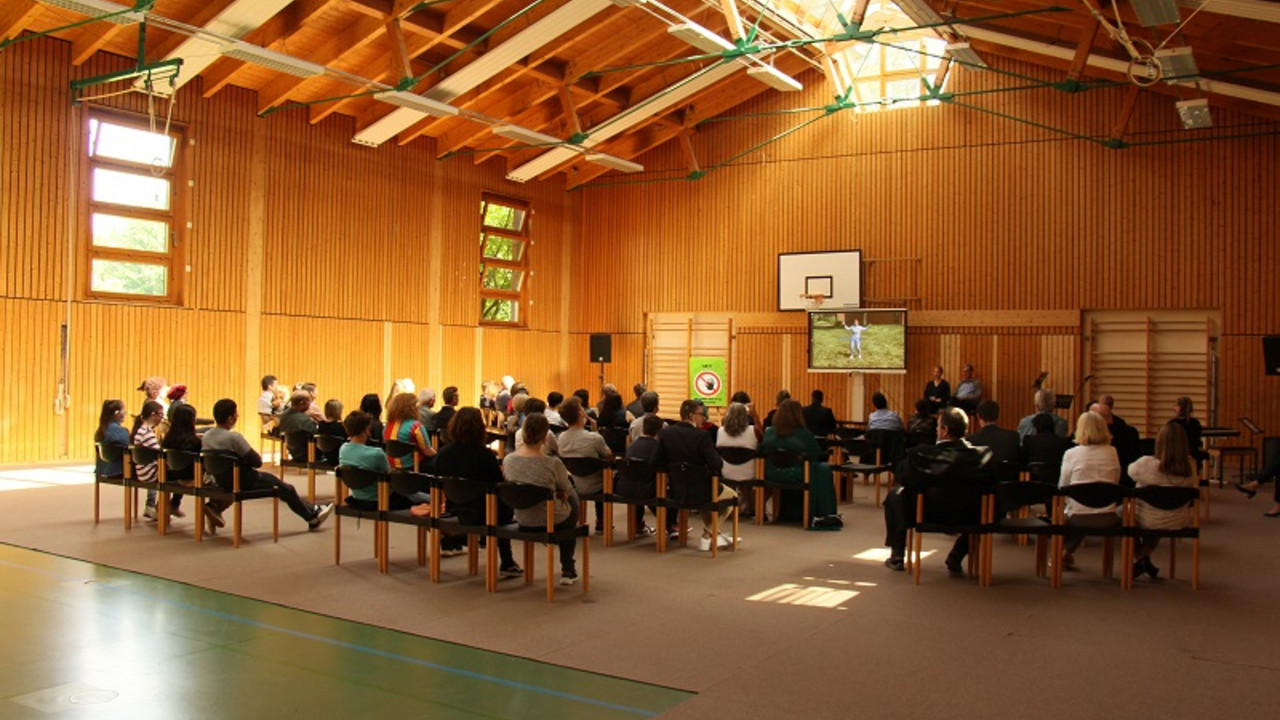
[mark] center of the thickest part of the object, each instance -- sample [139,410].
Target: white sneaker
[150,512]
[704,544]
[568,578]
[725,540]
[322,513]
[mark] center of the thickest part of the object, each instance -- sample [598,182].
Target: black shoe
[510,571]
[1247,492]
[955,567]
[895,564]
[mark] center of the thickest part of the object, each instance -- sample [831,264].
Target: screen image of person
[861,339]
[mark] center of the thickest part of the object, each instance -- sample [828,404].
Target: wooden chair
[177,462]
[109,452]
[356,478]
[220,464]
[312,463]
[1163,498]
[522,496]
[975,531]
[693,488]
[755,486]
[1015,497]
[463,491]
[409,484]
[1092,495]
[634,483]
[783,458]
[584,467]
[850,463]
[141,455]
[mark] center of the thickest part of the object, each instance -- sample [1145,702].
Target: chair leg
[586,564]
[1173,558]
[918,547]
[529,556]
[275,519]
[1108,559]
[235,541]
[715,534]
[199,519]
[1195,563]
[805,512]
[661,545]
[337,539]
[491,564]
[473,555]
[608,524]
[311,485]
[422,546]
[551,571]
[759,502]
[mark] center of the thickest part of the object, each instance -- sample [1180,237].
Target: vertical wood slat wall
[348,240]
[990,215]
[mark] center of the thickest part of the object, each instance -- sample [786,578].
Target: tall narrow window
[133,206]
[504,259]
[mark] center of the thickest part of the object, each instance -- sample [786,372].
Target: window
[504,259]
[132,211]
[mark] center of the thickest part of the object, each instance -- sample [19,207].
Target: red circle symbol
[706,383]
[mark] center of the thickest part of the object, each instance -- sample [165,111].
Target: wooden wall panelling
[30,363]
[409,343]
[344,358]
[460,363]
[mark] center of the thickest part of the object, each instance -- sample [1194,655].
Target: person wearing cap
[177,395]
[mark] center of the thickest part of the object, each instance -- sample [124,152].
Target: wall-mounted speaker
[601,348]
[1271,353]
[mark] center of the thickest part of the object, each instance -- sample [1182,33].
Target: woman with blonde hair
[1172,466]
[737,430]
[403,425]
[1092,460]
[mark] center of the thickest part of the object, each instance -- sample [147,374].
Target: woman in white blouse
[738,431]
[1092,460]
[1172,465]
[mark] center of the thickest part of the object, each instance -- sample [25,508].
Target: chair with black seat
[1247,454]
[218,464]
[1091,495]
[269,433]
[783,458]
[1012,497]
[693,487]
[874,457]
[581,467]
[467,492]
[183,463]
[1163,498]
[921,437]
[976,488]
[635,484]
[398,449]
[305,442]
[616,438]
[408,484]
[356,478]
[142,455]
[755,486]
[110,452]
[523,496]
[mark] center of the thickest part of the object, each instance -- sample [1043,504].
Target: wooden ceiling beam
[1126,112]
[357,35]
[273,34]
[169,42]
[91,39]
[1083,49]
[16,15]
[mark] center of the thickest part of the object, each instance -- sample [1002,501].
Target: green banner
[706,380]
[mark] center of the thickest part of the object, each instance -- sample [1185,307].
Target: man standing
[969,392]
[952,476]
[817,417]
[223,439]
[685,442]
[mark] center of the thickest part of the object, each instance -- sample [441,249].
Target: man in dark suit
[686,442]
[1005,445]
[1043,451]
[952,475]
[818,418]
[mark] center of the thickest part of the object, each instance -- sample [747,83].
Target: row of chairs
[431,528]
[1002,514]
[175,461]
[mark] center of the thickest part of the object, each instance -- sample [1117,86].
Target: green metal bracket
[696,175]
[1115,143]
[577,138]
[141,70]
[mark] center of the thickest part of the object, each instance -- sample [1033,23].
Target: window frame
[174,259]
[525,236]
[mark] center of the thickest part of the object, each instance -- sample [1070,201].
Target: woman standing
[789,433]
[1092,460]
[1171,466]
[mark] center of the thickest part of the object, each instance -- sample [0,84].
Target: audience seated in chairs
[789,433]
[144,436]
[109,463]
[578,442]
[684,442]
[427,410]
[445,415]
[403,426]
[536,406]
[1093,460]
[371,405]
[738,430]
[923,422]
[223,439]
[531,465]
[882,418]
[182,437]
[636,479]
[1171,466]
[951,476]
[818,417]
[1005,444]
[356,452]
[333,427]
[648,403]
[296,426]
[635,409]
[271,402]
[469,457]
[1042,451]
[1044,401]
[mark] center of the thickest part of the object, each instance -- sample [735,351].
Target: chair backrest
[1095,494]
[921,437]
[1007,471]
[298,439]
[737,455]
[615,438]
[1013,495]
[1147,446]
[783,458]
[1042,473]
[891,443]
[400,450]
[522,496]
[218,462]
[462,490]
[143,455]
[557,429]
[583,466]
[409,483]
[357,478]
[690,483]
[110,452]
[637,479]
[330,443]
[178,460]
[1164,497]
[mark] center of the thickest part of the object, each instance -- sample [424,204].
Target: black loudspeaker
[1271,351]
[601,348]
[1270,450]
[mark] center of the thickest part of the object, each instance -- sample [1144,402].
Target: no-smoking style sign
[706,380]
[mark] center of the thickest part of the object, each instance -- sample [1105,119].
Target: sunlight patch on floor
[808,596]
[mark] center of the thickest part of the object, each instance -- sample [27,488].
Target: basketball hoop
[812,301]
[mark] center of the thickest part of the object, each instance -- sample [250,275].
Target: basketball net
[812,301]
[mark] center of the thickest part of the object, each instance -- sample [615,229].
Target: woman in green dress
[789,433]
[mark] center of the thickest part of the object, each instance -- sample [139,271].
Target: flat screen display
[858,340]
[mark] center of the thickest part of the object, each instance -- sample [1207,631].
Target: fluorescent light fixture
[272,60]
[961,52]
[614,163]
[387,127]
[1195,114]
[700,37]
[525,135]
[1156,12]
[775,78]
[424,105]
[628,3]
[1176,64]
[98,8]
